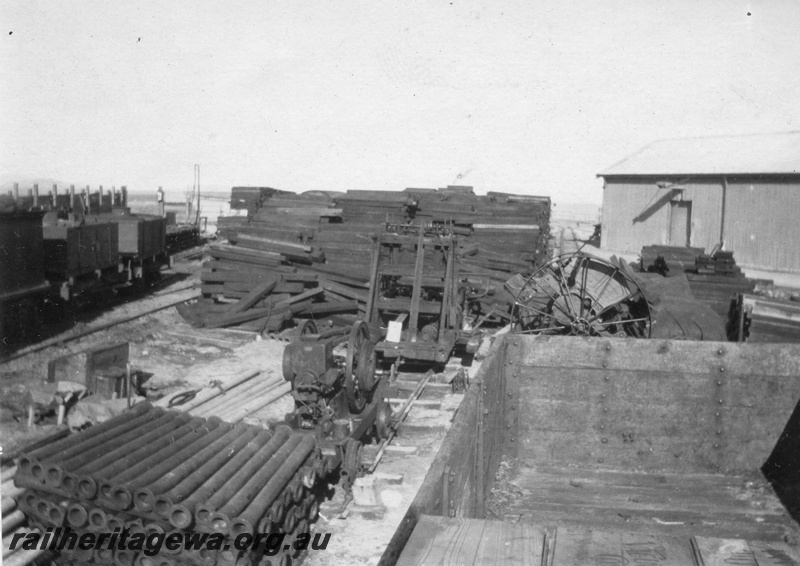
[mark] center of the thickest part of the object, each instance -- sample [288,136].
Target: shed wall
[762,225]
[761,218]
[636,212]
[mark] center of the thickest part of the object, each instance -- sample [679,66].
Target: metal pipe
[8,474]
[14,520]
[72,459]
[238,395]
[156,441]
[152,442]
[221,405]
[48,450]
[101,456]
[9,489]
[96,458]
[8,504]
[173,470]
[7,541]
[124,557]
[77,515]
[258,503]
[208,478]
[97,519]
[210,393]
[256,404]
[22,558]
[254,472]
[187,444]
[235,393]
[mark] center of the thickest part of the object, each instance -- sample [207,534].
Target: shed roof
[756,154]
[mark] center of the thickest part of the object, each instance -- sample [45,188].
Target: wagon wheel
[359,368]
[580,295]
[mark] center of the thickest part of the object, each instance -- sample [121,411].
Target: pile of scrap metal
[312,255]
[582,295]
[156,471]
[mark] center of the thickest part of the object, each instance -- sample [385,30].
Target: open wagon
[599,451]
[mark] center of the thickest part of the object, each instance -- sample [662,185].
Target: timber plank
[593,547]
[512,544]
[443,541]
[683,356]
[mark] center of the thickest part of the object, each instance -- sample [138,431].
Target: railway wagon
[22,279]
[603,451]
[142,241]
[79,257]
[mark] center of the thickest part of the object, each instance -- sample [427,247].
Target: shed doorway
[680,223]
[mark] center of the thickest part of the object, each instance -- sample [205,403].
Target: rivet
[716,445]
[513,439]
[719,383]
[717,414]
[602,427]
[604,440]
[605,409]
[721,369]
[606,378]
[720,401]
[605,364]
[516,373]
[486,411]
[719,432]
[603,395]
[720,352]
[510,395]
[608,347]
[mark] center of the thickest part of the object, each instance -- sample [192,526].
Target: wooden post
[160,200]
[416,292]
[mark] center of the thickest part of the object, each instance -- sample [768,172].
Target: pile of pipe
[235,399]
[153,470]
[14,523]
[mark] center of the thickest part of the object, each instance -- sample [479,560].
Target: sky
[526,97]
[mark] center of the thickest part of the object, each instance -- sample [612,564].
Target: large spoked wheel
[359,367]
[581,295]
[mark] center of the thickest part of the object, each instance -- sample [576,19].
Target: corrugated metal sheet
[720,155]
[762,226]
[637,213]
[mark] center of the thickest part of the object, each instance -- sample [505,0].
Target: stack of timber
[670,260]
[716,280]
[719,263]
[250,198]
[181,237]
[321,241]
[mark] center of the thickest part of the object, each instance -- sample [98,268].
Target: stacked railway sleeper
[158,472]
[320,245]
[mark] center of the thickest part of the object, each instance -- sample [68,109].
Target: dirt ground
[173,356]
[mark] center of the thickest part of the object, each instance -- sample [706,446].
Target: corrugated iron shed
[756,154]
